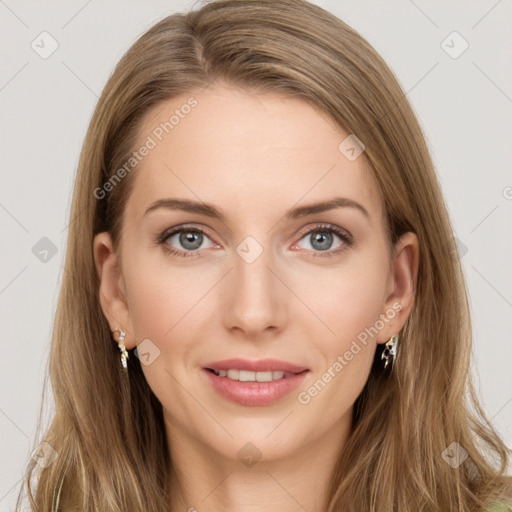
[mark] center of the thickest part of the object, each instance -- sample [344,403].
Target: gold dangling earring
[122,348]
[389,352]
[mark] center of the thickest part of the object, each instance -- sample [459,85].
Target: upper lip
[260,365]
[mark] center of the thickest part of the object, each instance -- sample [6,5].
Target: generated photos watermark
[157,135]
[305,397]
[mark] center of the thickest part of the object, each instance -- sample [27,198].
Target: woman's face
[254,281]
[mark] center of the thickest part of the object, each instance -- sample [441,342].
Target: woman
[262,306]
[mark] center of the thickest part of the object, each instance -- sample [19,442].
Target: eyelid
[342,233]
[327,226]
[162,238]
[345,236]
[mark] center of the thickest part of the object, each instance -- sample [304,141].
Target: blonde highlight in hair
[108,427]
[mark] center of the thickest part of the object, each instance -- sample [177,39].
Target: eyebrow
[214,212]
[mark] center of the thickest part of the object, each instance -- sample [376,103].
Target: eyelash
[345,237]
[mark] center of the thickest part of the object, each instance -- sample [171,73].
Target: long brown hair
[108,430]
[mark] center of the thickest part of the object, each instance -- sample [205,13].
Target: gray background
[464,105]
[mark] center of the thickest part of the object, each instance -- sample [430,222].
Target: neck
[204,480]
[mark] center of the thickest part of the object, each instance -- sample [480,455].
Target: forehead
[251,154]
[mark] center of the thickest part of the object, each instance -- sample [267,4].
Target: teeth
[233,374]
[248,376]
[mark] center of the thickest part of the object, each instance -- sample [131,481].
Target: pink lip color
[254,393]
[260,365]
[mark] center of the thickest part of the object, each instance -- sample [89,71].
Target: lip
[254,394]
[260,365]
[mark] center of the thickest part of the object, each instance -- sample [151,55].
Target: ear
[401,285]
[112,288]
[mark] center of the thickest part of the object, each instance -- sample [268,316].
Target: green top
[500,506]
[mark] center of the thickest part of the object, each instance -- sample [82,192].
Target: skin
[254,157]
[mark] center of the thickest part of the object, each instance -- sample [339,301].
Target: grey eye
[321,240]
[188,239]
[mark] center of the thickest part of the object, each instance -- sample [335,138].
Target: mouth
[254,365]
[252,376]
[253,388]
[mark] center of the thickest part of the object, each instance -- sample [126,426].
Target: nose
[254,297]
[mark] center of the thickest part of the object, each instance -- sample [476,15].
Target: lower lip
[254,393]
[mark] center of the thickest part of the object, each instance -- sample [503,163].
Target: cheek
[163,304]
[150,302]
[347,354]
[161,293]
[348,298]
[356,307]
